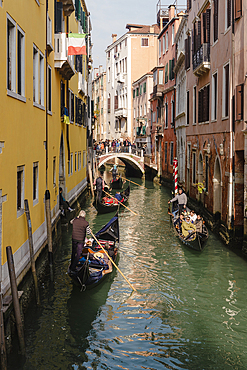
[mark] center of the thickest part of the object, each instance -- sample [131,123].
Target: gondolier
[80,229]
[114,172]
[100,184]
[182,200]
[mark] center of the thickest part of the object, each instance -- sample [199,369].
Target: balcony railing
[82,84]
[157,91]
[62,61]
[201,60]
[121,112]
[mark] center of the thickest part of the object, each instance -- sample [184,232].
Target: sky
[111,16]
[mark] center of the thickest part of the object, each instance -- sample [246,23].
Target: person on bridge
[100,184]
[114,172]
[182,200]
[80,229]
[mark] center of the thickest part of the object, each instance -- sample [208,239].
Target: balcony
[141,131]
[157,91]
[201,60]
[68,7]
[120,78]
[82,84]
[62,61]
[121,113]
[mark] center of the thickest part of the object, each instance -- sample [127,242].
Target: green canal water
[189,311]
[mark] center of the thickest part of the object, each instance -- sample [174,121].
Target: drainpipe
[46,99]
[232,149]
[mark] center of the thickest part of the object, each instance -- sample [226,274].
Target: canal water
[189,311]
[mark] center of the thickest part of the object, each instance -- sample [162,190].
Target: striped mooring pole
[175,174]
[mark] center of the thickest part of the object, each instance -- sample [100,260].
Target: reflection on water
[189,311]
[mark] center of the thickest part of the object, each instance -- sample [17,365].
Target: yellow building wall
[23,127]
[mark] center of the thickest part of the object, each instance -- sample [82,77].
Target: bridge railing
[122,149]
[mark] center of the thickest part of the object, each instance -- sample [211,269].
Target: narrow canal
[189,311]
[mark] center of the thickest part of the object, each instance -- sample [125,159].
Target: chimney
[151,29]
[114,37]
[100,69]
[171,11]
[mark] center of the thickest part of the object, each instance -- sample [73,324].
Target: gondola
[94,266]
[196,240]
[107,208]
[117,184]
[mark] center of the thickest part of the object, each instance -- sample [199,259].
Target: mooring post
[30,239]
[2,335]
[90,178]
[49,231]
[15,299]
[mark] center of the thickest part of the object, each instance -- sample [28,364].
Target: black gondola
[117,184]
[107,208]
[195,240]
[94,266]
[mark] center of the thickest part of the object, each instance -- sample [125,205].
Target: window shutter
[189,47]
[59,17]
[188,108]
[199,105]
[204,18]
[238,9]
[216,8]
[193,41]
[186,54]
[227,90]
[228,13]
[239,102]
[208,13]
[170,69]
[199,26]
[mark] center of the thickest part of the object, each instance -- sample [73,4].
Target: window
[79,161]
[194,104]
[144,42]
[137,91]
[160,77]
[20,62]
[171,67]
[166,115]
[109,74]
[84,158]
[227,14]
[225,97]
[145,109]
[166,73]
[188,108]
[164,44]
[54,171]
[173,34]
[125,42]
[140,89]
[134,92]
[20,190]
[71,106]
[187,47]
[206,173]
[38,77]
[159,48]
[125,64]
[203,104]
[172,113]
[214,96]
[75,161]
[35,183]
[70,165]
[165,152]
[171,153]
[116,102]
[144,87]
[49,91]
[193,167]
[166,40]
[239,102]
[216,12]
[109,104]
[11,54]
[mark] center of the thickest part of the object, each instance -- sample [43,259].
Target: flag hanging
[77,44]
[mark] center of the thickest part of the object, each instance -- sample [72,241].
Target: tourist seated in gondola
[118,196]
[107,201]
[187,227]
[199,224]
[178,223]
[193,217]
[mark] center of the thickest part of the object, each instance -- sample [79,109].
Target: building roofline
[142,77]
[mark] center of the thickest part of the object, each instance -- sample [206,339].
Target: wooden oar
[134,182]
[109,195]
[113,262]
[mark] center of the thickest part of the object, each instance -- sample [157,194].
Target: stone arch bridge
[129,156]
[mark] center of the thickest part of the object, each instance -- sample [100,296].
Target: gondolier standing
[80,229]
[99,182]
[114,172]
[182,200]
